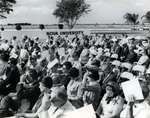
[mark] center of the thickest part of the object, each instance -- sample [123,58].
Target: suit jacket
[9,84]
[124,52]
[110,77]
[118,50]
[65,79]
[131,58]
[30,93]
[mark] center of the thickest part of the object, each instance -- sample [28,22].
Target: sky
[102,11]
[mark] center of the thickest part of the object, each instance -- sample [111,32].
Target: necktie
[55,110]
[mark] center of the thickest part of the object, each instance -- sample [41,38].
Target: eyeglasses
[32,62]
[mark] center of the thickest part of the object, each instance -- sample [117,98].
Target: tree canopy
[69,11]
[6,7]
[41,26]
[146,17]
[18,27]
[131,18]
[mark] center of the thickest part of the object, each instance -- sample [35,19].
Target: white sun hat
[126,65]
[127,75]
[107,54]
[138,68]
[114,56]
[93,52]
[139,37]
[116,63]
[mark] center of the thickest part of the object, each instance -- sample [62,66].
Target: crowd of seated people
[87,70]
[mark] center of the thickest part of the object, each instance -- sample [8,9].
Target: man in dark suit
[27,88]
[8,84]
[65,79]
[124,52]
[131,57]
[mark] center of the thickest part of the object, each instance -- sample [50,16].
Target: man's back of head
[58,96]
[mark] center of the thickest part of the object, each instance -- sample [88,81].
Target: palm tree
[146,17]
[6,7]
[131,19]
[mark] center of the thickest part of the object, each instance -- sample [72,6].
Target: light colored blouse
[73,88]
[113,108]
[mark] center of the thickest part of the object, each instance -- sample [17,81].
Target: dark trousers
[3,90]
[7,103]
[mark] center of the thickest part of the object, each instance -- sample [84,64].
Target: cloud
[19,10]
[139,4]
[35,2]
[42,10]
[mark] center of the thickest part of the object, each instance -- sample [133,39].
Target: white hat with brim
[127,75]
[138,68]
[126,65]
[93,52]
[139,37]
[114,56]
[107,54]
[116,63]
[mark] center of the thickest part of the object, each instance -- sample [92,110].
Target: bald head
[58,96]
[60,92]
